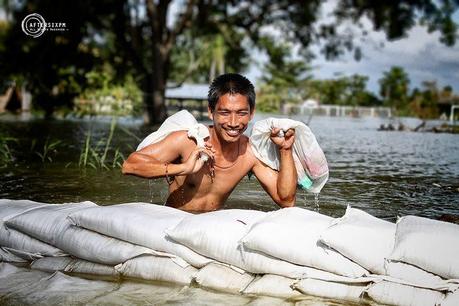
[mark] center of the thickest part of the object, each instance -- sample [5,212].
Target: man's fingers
[274,131]
[290,132]
[205,151]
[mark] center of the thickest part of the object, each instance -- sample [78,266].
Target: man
[198,185]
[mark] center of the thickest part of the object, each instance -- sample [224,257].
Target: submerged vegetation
[49,149]
[6,156]
[99,152]
[100,155]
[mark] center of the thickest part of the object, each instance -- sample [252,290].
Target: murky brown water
[387,174]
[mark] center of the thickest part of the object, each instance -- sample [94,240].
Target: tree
[394,87]
[282,76]
[144,35]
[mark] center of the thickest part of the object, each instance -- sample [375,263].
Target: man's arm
[280,185]
[155,160]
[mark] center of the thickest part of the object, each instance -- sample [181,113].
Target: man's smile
[233,132]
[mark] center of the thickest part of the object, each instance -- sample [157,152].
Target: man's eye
[223,113]
[243,113]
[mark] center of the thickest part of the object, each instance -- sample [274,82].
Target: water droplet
[316,202]
[150,187]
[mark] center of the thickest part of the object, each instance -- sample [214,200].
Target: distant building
[195,92]
[192,97]
[310,103]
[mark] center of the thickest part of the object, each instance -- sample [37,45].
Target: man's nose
[233,120]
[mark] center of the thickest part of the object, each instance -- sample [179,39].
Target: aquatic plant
[6,155]
[48,149]
[97,155]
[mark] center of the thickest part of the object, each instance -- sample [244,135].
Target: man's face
[231,116]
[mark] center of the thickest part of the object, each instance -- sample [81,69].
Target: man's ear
[210,113]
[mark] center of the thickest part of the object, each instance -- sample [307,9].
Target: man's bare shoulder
[179,137]
[175,140]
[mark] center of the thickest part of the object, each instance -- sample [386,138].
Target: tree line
[162,43]
[427,102]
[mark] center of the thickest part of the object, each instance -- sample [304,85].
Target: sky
[421,55]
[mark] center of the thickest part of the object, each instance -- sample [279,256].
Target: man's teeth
[233,132]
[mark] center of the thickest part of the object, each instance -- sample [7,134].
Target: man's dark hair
[231,83]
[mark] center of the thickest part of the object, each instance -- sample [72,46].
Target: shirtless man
[197,185]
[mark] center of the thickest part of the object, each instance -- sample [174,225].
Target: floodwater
[387,174]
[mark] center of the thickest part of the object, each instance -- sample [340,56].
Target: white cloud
[421,54]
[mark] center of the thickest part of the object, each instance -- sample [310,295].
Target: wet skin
[204,186]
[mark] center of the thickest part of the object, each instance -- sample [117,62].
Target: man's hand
[285,142]
[194,162]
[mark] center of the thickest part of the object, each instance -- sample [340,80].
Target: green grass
[49,148]
[100,155]
[6,155]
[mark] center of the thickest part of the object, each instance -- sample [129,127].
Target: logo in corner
[33,25]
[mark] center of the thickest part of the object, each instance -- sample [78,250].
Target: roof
[188,92]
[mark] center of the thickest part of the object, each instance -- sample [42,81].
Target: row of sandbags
[23,286]
[282,253]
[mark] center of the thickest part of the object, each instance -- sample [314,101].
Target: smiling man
[198,185]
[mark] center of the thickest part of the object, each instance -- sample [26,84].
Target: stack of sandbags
[426,252]
[370,242]
[145,224]
[278,246]
[218,234]
[285,253]
[49,223]
[94,252]
[16,246]
[142,224]
[293,235]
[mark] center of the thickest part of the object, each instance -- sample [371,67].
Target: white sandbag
[403,295]
[223,278]
[49,224]
[411,275]
[8,256]
[310,162]
[12,207]
[24,246]
[451,299]
[139,223]
[8,269]
[331,290]
[73,265]
[428,244]
[156,268]
[362,238]
[273,285]
[292,234]
[217,234]
[180,121]
[61,289]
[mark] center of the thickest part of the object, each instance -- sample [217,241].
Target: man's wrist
[285,150]
[182,169]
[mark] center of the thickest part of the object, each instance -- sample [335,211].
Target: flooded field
[387,174]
